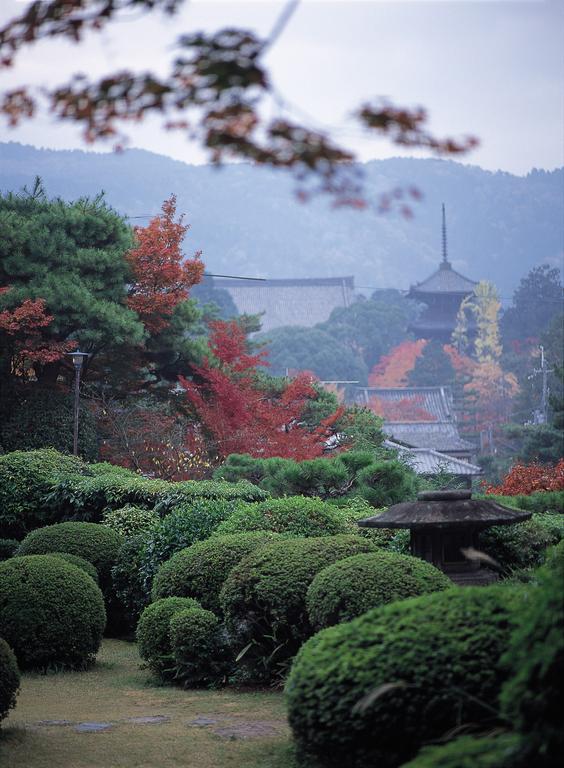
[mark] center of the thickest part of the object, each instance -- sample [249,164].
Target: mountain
[247,220]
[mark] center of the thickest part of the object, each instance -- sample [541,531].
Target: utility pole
[540,414]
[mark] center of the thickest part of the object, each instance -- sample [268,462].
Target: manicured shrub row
[539,501]
[51,613]
[264,599]
[8,548]
[200,571]
[128,581]
[95,543]
[353,586]
[295,515]
[353,473]
[9,679]
[374,690]
[87,498]
[26,477]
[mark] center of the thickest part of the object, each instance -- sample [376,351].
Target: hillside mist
[247,220]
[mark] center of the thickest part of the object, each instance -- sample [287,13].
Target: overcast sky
[491,69]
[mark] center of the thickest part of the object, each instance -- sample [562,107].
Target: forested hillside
[247,220]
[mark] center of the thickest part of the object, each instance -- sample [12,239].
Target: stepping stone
[150,720]
[92,727]
[203,720]
[49,723]
[259,729]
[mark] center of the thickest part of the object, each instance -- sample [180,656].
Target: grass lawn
[196,729]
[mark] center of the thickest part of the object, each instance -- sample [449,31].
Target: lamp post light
[78,359]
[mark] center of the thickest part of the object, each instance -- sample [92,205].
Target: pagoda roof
[445,509]
[444,280]
[425,461]
[436,401]
[440,436]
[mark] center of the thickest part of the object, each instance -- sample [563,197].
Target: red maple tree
[162,279]
[528,478]
[393,368]
[22,339]
[239,415]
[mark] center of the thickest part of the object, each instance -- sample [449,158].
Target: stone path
[221,725]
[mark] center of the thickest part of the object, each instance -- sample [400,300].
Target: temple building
[442,293]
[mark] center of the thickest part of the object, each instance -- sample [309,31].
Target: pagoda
[442,293]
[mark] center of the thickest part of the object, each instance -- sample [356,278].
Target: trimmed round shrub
[128,582]
[80,562]
[130,520]
[533,698]
[351,587]
[501,751]
[153,633]
[372,691]
[200,571]
[95,543]
[9,679]
[26,477]
[8,548]
[295,515]
[51,612]
[264,599]
[524,545]
[201,654]
[188,523]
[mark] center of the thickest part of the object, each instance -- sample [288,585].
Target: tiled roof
[426,461]
[303,302]
[440,436]
[436,401]
[444,280]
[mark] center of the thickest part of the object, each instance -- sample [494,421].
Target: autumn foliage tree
[162,278]
[393,369]
[241,416]
[528,478]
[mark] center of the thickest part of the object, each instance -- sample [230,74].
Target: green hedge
[201,654]
[533,698]
[190,522]
[351,587]
[539,501]
[9,679]
[51,613]
[153,634]
[372,691]
[295,515]
[89,497]
[497,751]
[264,596]
[26,477]
[522,546]
[95,543]
[200,571]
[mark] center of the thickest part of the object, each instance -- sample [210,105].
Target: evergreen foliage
[153,633]
[9,679]
[495,751]
[350,587]
[201,653]
[51,612]
[373,690]
[264,599]
[432,368]
[200,571]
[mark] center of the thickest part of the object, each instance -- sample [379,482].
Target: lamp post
[78,359]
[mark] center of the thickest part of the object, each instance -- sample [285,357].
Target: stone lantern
[443,525]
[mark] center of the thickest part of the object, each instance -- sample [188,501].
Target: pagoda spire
[445,264]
